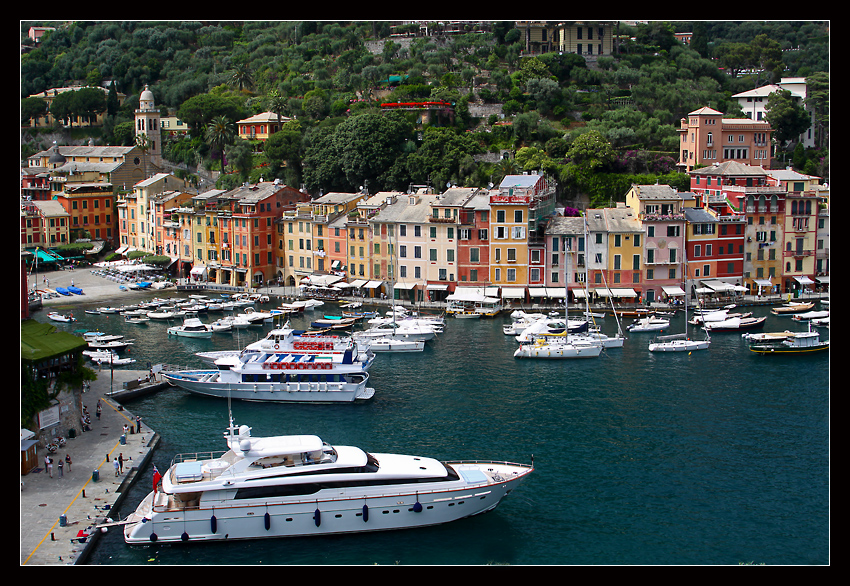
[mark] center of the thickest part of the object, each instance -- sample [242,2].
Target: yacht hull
[208,383]
[330,511]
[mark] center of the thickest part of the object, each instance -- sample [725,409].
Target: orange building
[708,138]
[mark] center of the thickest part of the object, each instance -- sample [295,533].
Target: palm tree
[276,103]
[220,132]
[242,77]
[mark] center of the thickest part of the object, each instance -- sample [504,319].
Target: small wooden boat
[792,308]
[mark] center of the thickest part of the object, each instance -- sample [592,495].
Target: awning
[804,280]
[513,292]
[579,293]
[537,292]
[557,292]
[719,286]
[763,282]
[672,290]
[822,280]
[358,283]
[199,271]
[374,284]
[436,287]
[324,280]
[405,286]
[616,292]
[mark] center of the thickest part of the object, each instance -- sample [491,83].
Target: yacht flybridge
[298,485]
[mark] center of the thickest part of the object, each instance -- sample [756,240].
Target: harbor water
[718,456]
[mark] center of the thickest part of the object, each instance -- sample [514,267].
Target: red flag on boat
[156,478]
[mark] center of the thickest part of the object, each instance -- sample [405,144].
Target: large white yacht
[297,485]
[284,367]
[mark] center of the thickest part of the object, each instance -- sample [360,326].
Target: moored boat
[191,328]
[786,342]
[792,308]
[735,324]
[285,367]
[55,316]
[285,486]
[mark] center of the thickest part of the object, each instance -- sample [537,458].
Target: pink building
[708,138]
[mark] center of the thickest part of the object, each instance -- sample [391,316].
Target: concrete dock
[46,537]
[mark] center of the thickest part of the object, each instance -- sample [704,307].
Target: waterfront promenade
[84,501]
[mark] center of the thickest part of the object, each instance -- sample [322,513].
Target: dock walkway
[85,501]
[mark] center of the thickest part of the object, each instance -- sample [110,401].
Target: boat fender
[365,513]
[267,519]
[417,506]
[213,524]
[185,536]
[317,517]
[153,537]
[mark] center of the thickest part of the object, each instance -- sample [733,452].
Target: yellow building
[615,252]
[509,239]
[260,126]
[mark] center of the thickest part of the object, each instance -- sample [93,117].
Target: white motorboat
[98,344]
[254,317]
[221,326]
[137,319]
[307,304]
[191,328]
[809,315]
[298,485]
[62,318]
[163,314]
[390,344]
[101,337]
[735,324]
[107,357]
[285,366]
[649,324]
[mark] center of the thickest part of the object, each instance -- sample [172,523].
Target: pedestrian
[138,424]
[115,466]
[48,463]
[97,410]
[121,462]
[59,466]
[68,461]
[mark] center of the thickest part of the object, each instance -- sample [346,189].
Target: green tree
[220,133]
[32,108]
[817,98]
[62,107]
[787,118]
[283,149]
[242,77]
[241,156]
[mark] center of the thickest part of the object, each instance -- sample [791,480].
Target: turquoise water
[718,457]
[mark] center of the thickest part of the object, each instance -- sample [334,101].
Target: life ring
[301,366]
[277,346]
[327,366]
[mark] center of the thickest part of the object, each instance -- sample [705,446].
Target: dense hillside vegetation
[596,129]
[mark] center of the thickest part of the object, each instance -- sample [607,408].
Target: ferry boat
[286,367]
[298,485]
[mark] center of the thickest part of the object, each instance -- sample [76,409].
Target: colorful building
[708,138]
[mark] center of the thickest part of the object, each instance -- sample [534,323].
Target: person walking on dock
[68,461]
